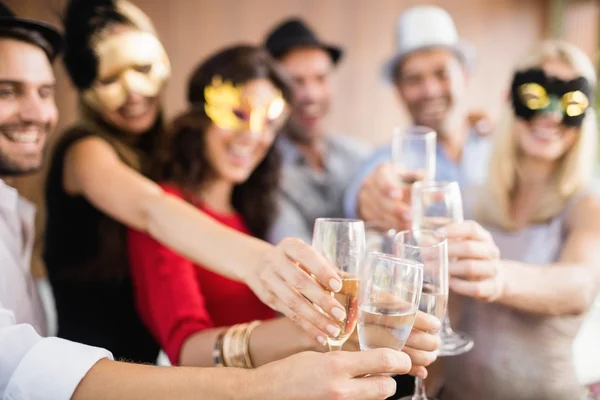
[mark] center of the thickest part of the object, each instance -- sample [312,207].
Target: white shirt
[18,290]
[34,368]
[31,367]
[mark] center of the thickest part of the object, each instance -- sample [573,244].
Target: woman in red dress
[220,158]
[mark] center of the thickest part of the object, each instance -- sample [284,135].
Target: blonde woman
[525,308]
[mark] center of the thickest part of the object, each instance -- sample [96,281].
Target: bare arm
[93,169]
[116,380]
[308,376]
[272,340]
[568,287]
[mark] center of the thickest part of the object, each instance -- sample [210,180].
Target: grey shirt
[306,194]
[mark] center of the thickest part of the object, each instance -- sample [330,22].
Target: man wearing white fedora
[430,73]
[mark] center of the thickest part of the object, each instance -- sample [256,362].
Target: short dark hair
[28,36]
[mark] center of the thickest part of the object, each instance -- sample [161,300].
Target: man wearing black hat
[32,367]
[317,166]
[27,116]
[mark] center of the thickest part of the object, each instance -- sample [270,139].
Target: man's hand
[381,200]
[337,375]
[420,346]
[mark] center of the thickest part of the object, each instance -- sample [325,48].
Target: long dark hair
[183,158]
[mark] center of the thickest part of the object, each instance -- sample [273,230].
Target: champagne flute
[435,205]
[389,300]
[379,238]
[342,242]
[431,250]
[413,154]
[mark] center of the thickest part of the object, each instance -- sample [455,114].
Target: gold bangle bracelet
[227,346]
[237,346]
[248,332]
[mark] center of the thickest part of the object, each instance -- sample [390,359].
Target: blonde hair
[573,171]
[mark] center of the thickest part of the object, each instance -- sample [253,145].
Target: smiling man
[24,130]
[317,166]
[430,73]
[27,116]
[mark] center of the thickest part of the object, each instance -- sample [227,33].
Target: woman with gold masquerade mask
[546,223]
[220,158]
[96,188]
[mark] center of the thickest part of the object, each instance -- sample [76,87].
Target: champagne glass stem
[446,327]
[419,390]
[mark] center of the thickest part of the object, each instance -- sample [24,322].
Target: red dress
[176,298]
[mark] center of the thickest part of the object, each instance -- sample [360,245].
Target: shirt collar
[289,151]
[292,156]
[9,196]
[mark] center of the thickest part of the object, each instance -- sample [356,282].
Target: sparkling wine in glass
[436,204]
[389,300]
[431,250]
[342,242]
[413,154]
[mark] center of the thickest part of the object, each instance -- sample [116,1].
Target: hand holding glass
[435,205]
[389,300]
[431,250]
[342,242]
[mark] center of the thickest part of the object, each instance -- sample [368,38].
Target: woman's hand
[474,261]
[422,343]
[282,280]
[338,375]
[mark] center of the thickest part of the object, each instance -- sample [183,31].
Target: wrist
[304,340]
[256,384]
[505,286]
[244,384]
[254,256]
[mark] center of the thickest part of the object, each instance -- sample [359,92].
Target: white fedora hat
[425,27]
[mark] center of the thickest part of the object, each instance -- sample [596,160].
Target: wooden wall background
[365,107]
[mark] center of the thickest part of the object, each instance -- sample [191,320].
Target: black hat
[8,19]
[294,33]
[83,20]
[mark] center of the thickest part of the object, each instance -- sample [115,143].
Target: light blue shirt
[472,168]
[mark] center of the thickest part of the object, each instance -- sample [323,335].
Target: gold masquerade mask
[132,61]
[244,107]
[535,97]
[533,92]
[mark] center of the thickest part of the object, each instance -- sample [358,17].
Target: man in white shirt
[33,367]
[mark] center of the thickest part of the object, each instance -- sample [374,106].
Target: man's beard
[437,124]
[298,132]
[8,166]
